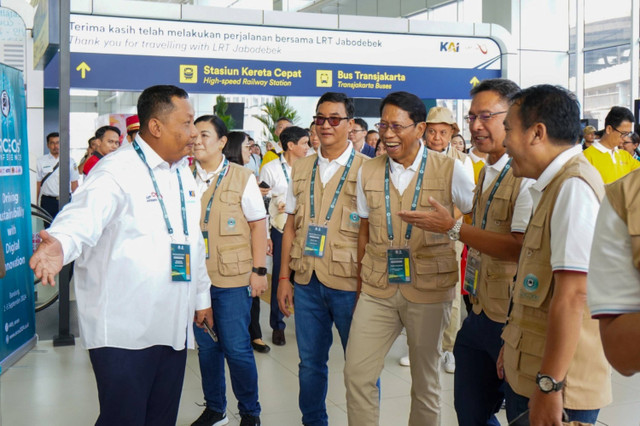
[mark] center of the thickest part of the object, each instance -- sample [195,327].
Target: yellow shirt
[612,164]
[478,164]
[269,156]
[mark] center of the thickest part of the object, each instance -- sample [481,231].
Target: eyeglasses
[624,135]
[333,121]
[396,128]
[484,117]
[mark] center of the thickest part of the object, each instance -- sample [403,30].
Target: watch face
[546,384]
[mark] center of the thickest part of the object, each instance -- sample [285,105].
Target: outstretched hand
[47,261]
[438,220]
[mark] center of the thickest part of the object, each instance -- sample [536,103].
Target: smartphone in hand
[210,331]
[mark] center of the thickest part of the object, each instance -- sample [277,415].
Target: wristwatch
[548,384]
[261,271]
[454,233]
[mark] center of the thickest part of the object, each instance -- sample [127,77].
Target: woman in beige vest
[233,227]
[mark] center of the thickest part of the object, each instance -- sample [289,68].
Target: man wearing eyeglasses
[604,155]
[357,137]
[407,276]
[319,244]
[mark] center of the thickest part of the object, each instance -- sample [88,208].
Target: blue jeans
[276,317]
[518,404]
[231,316]
[478,392]
[317,308]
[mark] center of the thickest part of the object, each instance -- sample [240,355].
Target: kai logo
[324,78]
[188,73]
[449,46]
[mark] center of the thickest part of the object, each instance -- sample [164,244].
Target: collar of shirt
[154,160]
[597,145]
[554,167]
[207,176]
[498,165]
[493,170]
[399,168]
[341,160]
[475,158]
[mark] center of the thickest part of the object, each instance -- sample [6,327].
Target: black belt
[51,197]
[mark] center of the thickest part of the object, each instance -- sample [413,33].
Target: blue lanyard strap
[284,170]
[223,172]
[183,208]
[414,202]
[491,194]
[312,213]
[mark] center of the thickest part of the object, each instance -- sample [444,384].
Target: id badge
[316,239]
[180,262]
[205,236]
[471,271]
[399,266]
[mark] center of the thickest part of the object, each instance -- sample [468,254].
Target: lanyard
[414,202]
[183,208]
[493,192]
[286,175]
[223,172]
[338,189]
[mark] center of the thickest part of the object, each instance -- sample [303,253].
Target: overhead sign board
[130,54]
[46,32]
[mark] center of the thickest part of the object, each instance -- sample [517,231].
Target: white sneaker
[404,361]
[449,362]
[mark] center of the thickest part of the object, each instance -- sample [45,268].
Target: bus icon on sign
[324,78]
[188,73]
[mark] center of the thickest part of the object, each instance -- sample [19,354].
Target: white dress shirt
[461,185]
[574,216]
[613,282]
[467,163]
[115,230]
[326,170]
[51,186]
[524,203]
[273,175]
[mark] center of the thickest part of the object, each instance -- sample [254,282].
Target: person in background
[380,148]
[93,145]
[313,139]
[588,137]
[457,141]
[372,138]
[48,176]
[133,127]
[272,154]
[357,136]
[254,159]
[233,227]
[631,146]
[109,137]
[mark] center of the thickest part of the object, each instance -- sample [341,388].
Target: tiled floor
[55,386]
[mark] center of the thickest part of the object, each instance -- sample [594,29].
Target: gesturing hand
[46,262]
[438,220]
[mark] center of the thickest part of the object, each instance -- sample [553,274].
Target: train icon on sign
[324,78]
[188,73]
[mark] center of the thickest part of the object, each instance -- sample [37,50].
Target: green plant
[272,111]
[220,109]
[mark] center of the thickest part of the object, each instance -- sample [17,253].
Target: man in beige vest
[319,244]
[614,273]
[408,275]
[552,356]
[501,212]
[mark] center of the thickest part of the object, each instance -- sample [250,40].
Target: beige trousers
[450,333]
[375,326]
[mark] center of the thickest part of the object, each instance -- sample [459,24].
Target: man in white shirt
[277,174]
[48,176]
[140,271]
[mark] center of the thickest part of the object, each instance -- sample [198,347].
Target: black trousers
[254,326]
[51,205]
[138,387]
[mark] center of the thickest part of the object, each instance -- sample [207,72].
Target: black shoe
[248,420]
[278,338]
[211,418]
[263,348]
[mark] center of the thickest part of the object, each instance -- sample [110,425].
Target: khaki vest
[456,155]
[624,196]
[230,257]
[338,268]
[495,276]
[434,267]
[588,381]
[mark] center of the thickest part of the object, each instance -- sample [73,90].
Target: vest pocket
[374,269]
[343,260]
[234,260]
[298,215]
[531,350]
[350,222]
[435,273]
[296,262]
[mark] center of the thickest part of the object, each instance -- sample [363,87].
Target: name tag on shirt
[316,238]
[471,271]
[180,262]
[47,169]
[399,266]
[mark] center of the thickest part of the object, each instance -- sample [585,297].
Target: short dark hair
[502,86]
[555,107]
[292,134]
[156,101]
[233,148]
[284,119]
[617,115]
[216,122]
[91,139]
[408,102]
[371,131]
[635,138]
[104,129]
[338,98]
[52,135]
[360,122]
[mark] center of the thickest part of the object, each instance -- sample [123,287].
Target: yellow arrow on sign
[473,81]
[83,68]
